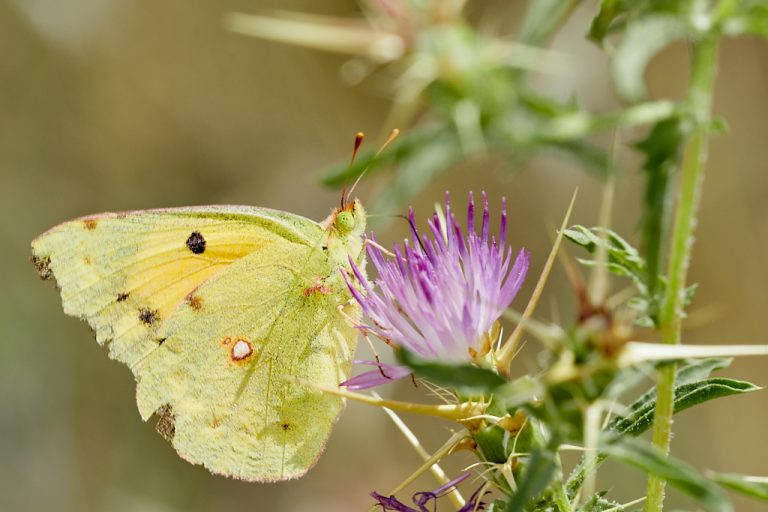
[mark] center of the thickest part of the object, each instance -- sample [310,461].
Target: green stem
[559,492]
[561,496]
[692,175]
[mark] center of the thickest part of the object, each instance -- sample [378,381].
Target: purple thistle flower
[421,499]
[441,293]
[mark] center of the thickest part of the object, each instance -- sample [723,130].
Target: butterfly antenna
[392,136]
[358,142]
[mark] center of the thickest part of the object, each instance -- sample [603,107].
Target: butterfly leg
[364,332]
[376,355]
[380,247]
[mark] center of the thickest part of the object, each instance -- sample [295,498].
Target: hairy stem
[559,492]
[692,174]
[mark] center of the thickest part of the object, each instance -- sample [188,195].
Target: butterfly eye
[345,222]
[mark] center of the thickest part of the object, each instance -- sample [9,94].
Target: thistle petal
[383,374]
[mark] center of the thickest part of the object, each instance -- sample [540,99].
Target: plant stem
[457,412]
[559,492]
[699,101]
[560,496]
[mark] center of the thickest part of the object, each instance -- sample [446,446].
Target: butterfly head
[349,219]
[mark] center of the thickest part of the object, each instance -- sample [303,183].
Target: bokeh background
[116,104]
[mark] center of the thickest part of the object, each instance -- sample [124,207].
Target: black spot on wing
[149,316]
[122,297]
[166,422]
[43,266]
[196,243]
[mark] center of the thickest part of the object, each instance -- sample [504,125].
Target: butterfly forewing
[126,273]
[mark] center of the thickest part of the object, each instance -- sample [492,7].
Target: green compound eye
[345,222]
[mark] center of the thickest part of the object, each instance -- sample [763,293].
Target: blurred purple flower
[421,499]
[441,294]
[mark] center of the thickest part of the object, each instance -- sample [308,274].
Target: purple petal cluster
[421,499]
[442,291]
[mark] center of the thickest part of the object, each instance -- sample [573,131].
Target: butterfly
[226,315]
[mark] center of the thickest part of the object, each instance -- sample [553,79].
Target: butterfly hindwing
[232,373]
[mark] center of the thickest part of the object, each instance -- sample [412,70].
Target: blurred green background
[115,105]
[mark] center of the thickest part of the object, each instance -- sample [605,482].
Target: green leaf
[677,473]
[644,38]
[686,396]
[693,372]
[756,487]
[614,14]
[597,503]
[601,24]
[623,259]
[699,369]
[539,472]
[466,379]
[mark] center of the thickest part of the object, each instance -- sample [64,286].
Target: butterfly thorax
[345,228]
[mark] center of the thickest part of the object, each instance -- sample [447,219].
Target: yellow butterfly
[223,313]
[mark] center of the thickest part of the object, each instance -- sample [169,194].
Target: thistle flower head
[422,499]
[442,292]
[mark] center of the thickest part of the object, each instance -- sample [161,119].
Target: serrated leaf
[686,396]
[692,372]
[597,503]
[677,473]
[756,487]
[644,38]
[539,471]
[699,369]
[623,259]
[466,379]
